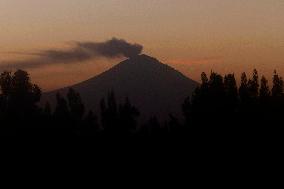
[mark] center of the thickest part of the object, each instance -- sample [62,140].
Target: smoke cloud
[79,52]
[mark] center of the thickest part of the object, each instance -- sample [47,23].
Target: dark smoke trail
[81,51]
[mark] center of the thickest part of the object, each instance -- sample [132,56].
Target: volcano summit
[153,87]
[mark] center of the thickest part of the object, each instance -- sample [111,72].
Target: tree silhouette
[127,116]
[118,118]
[61,113]
[200,97]
[19,96]
[277,101]
[6,83]
[76,106]
[231,93]
[249,94]
[243,90]
[253,85]
[109,113]
[264,91]
[277,90]
[216,93]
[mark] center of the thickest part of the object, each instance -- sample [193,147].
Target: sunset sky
[190,35]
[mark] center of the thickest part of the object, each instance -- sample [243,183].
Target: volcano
[156,89]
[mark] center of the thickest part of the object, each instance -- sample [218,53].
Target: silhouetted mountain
[154,88]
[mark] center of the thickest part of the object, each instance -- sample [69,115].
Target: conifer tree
[264,91]
[277,89]
[243,90]
[128,115]
[76,105]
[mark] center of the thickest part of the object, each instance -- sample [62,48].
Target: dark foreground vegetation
[218,108]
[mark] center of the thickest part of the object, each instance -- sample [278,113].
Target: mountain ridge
[153,87]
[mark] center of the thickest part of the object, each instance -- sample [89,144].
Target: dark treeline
[218,107]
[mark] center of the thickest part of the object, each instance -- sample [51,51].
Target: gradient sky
[191,35]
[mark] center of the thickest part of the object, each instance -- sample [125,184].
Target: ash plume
[79,52]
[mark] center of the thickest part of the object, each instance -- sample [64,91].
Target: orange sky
[191,35]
